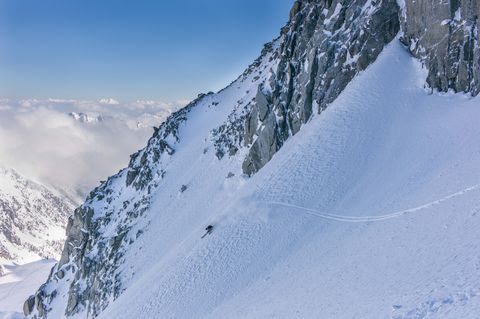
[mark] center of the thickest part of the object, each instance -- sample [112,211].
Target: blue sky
[132,49]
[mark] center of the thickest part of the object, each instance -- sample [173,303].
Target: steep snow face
[248,121]
[32,219]
[383,146]
[370,211]
[71,140]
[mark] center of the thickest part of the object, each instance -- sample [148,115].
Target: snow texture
[17,283]
[385,145]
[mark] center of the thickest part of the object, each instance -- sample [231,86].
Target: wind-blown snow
[383,146]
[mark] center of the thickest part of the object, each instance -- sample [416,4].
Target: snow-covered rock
[32,219]
[86,118]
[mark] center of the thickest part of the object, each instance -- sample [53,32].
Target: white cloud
[47,139]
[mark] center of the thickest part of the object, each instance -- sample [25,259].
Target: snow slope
[17,283]
[384,148]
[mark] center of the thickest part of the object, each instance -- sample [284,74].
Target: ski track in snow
[371,150]
[382,145]
[368,219]
[436,305]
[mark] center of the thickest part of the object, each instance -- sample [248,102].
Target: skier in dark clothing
[209,229]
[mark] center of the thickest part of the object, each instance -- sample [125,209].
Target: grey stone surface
[324,45]
[28,305]
[444,36]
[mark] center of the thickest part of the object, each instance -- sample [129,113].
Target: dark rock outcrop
[444,36]
[28,305]
[325,44]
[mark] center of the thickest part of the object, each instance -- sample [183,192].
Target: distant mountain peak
[108,101]
[86,117]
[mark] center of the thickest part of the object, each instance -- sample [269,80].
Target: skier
[209,229]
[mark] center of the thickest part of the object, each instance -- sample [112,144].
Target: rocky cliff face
[444,36]
[323,47]
[325,44]
[32,219]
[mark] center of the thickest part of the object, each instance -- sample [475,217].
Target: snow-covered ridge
[324,45]
[113,216]
[32,219]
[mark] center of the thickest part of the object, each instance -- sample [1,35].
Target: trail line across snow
[367,219]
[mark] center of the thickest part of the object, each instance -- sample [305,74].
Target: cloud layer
[72,144]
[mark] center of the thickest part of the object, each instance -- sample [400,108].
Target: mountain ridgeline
[324,45]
